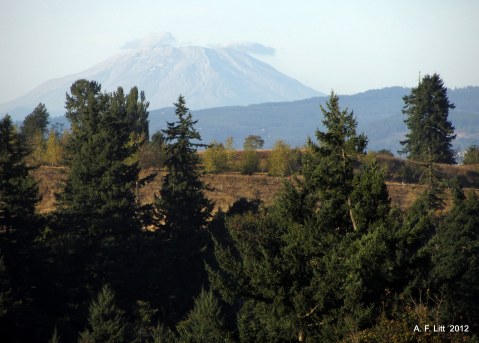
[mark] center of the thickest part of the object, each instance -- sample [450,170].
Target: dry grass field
[226,188]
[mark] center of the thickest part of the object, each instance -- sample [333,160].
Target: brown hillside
[225,188]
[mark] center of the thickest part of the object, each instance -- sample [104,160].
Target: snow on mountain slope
[207,77]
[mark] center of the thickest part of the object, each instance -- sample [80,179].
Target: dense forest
[330,260]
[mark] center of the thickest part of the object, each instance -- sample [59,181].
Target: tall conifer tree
[182,187]
[182,211]
[430,133]
[298,270]
[100,223]
[100,185]
[18,190]
[105,320]
[18,230]
[329,164]
[35,122]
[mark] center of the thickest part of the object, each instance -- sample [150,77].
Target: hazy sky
[349,46]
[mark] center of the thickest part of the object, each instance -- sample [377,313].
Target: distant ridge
[207,77]
[378,113]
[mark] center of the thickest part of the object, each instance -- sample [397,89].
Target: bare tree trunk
[351,215]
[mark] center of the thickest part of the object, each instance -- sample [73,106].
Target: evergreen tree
[137,108]
[455,262]
[18,231]
[35,122]
[98,229]
[315,265]
[370,197]
[430,132]
[182,211]
[412,258]
[100,185]
[182,187]
[18,190]
[105,320]
[328,167]
[204,323]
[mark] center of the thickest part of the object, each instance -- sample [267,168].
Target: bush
[472,155]
[215,158]
[249,162]
[283,160]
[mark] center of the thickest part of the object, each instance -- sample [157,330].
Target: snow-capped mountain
[207,77]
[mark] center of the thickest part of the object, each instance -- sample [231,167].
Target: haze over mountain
[207,77]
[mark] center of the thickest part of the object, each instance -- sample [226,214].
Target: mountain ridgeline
[378,113]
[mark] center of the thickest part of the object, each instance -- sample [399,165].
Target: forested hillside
[328,259]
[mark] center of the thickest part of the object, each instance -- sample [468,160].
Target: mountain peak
[158,65]
[151,41]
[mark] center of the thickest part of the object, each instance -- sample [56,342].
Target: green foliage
[249,162]
[182,186]
[455,260]
[99,187]
[253,142]
[215,158]
[328,261]
[472,155]
[162,334]
[18,190]
[328,165]
[385,152]
[137,109]
[96,234]
[283,160]
[144,329]
[403,325]
[430,132]
[152,154]
[230,151]
[370,197]
[412,258]
[182,212]
[37,148]
[280,266]
[105,320]
[35,122]
[204,323]
[18,231]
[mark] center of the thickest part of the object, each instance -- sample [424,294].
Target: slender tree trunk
[351,214]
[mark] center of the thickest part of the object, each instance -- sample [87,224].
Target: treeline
[329,261]
[48,146]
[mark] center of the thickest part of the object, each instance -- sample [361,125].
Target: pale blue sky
[349,46]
